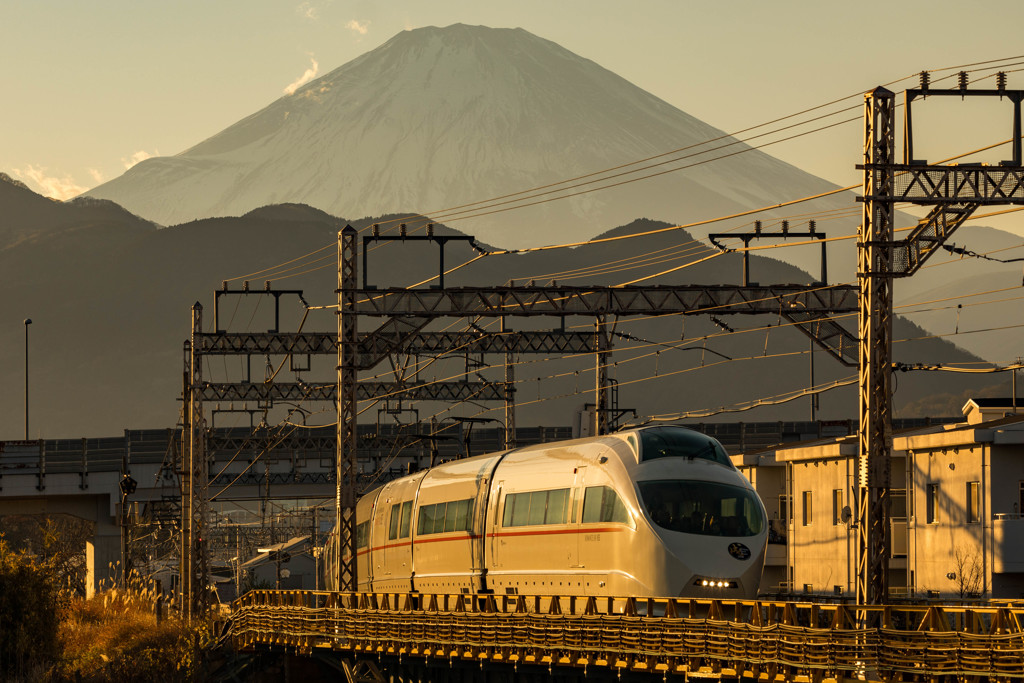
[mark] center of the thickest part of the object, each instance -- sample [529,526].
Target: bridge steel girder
[290,391]
[605,301]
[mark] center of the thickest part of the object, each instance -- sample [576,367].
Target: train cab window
[602,504]
[702,507]
[678,442]
[532,508]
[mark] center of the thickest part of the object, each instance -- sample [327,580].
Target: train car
[653,511]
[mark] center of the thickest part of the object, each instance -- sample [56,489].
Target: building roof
[292,546]
[1004,430]
[996,402]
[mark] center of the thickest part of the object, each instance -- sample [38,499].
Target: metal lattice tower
[953,192]
[874,270]
[346,465]
[195,577]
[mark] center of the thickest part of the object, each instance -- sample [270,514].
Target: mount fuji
[441,117]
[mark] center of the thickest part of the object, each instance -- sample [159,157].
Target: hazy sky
[92,87]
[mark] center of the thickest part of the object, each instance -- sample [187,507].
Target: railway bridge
[409,638]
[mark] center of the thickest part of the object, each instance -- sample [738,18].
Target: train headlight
[715,583]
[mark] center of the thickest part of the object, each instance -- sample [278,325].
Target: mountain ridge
[442,117]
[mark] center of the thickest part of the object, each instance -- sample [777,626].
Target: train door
[478,535]
[381,566]
[494,522]
[576,516]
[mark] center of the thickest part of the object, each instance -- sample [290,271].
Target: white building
[957,494]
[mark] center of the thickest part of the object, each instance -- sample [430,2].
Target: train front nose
[717,568]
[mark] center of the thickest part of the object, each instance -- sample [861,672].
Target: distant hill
[28,216]
[111,308]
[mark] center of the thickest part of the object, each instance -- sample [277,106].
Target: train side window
[393,526]
[403,530]
[602,504]
[456,515]
[520,509]
[450,516]
[425,523]
[362,535]
[538,507]
[439,512]
[510,503]
[535,508]
[462,515]
[556,506]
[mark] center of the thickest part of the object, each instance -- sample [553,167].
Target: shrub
[31,605]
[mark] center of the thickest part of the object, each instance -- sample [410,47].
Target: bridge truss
[684,638]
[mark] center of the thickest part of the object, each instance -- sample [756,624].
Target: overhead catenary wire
[988,66]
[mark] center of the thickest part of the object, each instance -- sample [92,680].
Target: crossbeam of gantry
[597,301]
[415,391]
[977,183]
[374,345]
[810,309]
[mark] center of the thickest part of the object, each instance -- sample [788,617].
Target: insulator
[961,79]
[811,225]
[266,285]
[757,227]
[1001,80]
[376,229]
[926,79]
[224,285]
[401,229]
[430,229]
[245,286]
[785,227]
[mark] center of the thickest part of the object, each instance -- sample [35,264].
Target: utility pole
[953,192]
[874,272]
[195,571]
[510,393]
[346,458]
[601,360]
[28,321]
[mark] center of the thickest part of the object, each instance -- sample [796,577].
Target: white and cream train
[655,511]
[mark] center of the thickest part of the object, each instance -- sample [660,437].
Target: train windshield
[679,442]
[703,507]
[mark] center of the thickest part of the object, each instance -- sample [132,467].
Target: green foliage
[30,611]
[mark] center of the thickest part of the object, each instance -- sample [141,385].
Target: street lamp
[28,321]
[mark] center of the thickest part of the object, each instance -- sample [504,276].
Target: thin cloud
[305,78]
[308,11]
[58,187]
[141,155]
[97,175]
[360,27]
